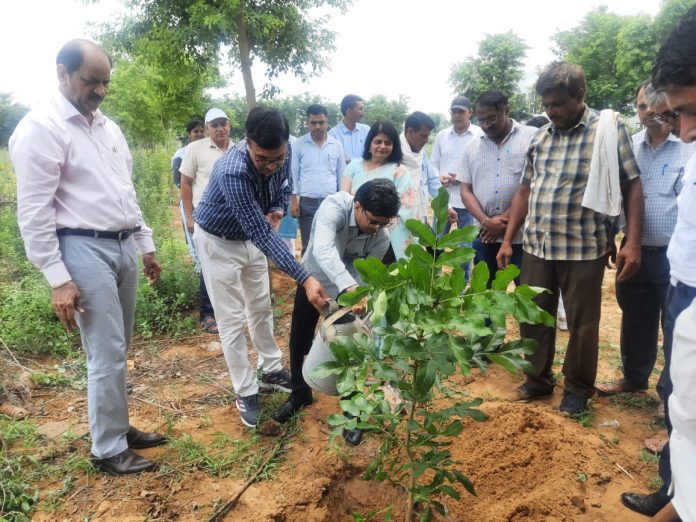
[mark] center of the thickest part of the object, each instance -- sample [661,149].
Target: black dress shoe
[353,437]
[124,463]
[140,439]
[647,505]
[290,408]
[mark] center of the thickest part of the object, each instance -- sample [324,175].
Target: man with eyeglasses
[345,228]
[490,170]
[661,157]
[237,222]
[317,166]
[196,166]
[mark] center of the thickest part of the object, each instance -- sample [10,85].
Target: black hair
[643,85]
[267,127]
[348,102]
[418,119]
[315,110]
[384,127]
[538,121]
[562,77]
[193,124]
[72,54]
[379,197]
[495,99]
[675,64]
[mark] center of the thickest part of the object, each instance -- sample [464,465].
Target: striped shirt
[446,157]
[235,203]
[557,226]
[661,172]
[494,171]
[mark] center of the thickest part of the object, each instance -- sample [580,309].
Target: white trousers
[106,274]
[236,275]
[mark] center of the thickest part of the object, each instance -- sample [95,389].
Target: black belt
[655,248]
[120,235]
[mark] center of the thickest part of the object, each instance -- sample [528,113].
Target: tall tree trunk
[245,56]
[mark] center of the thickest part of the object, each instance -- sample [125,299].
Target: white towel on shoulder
[603,191]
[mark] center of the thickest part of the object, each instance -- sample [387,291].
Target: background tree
[498,65]
[378,107]
[285,35]
[10,114]
[617,52]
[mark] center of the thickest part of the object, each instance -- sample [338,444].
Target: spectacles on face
[489,120]
[375,223]
[262,161]
[669,117]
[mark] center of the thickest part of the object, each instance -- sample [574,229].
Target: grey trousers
[106,274]
[308,207]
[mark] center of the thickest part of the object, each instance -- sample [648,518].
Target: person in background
[198,162]
[490,170]
[566,243]
[82,227]
[345,228]
[194,131]
[674,74]
[382,159]
[317,165]
[350,133]
[446,158]
[237,220]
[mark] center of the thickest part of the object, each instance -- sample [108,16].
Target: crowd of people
[549,196]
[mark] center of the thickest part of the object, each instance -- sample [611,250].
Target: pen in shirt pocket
[664,168]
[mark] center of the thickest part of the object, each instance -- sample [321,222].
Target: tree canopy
[10,114]
[498,65]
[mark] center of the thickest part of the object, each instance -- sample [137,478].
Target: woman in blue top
[382,159]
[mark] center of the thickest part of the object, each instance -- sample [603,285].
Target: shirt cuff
[57,274]
[145,244]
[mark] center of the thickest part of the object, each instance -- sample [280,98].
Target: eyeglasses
[374,223]
[265,162]
[489,120]
[669,117]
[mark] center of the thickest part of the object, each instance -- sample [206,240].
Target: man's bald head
[84,72]
[72,54]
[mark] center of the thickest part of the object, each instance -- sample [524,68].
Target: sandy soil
[527,462]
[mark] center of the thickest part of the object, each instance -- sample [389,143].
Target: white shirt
[199,159]
[71,175]
[682,247]
[447,154]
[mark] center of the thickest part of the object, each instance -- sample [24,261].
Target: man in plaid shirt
[566,245]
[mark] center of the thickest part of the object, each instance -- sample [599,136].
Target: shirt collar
[68,111]
[587,117]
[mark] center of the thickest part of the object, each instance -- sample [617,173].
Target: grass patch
[221,460]
[649,457]
[641,401]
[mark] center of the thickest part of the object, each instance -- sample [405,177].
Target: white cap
[214,114]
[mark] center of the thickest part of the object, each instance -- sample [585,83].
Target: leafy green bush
[429,327]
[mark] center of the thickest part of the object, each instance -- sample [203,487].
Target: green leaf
[440,206]
[449,490]
[372,271]
[458,236]
[511,364]
[455,257]
[420,254]
[464,481]
[422,231]
[350,298]
[379,308]
[457,280]
[479,277]
[328,368]
[504,277]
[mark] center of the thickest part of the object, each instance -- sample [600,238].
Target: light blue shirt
[336,242]
[494,171]
[661,173]
[353,142]
[316,171]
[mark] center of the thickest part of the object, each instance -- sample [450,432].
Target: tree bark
[245,56]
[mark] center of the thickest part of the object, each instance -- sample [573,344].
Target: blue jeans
[487,252]
[464,219]
[679,298]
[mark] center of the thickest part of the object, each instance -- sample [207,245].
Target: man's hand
[66,300]
[316,294]
[151,268]
[294,206]
[493,228]
[452,216]
[504,254]
[274,218]
[445,180]
[189,224]
[611,255]
[627,262]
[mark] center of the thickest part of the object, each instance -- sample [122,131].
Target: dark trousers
[304,322]
[487,251]
[206,307]
[308,207]
[643,299]
[679,298]
[581,284]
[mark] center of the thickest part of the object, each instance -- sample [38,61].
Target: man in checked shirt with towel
[565,244]
[237,222]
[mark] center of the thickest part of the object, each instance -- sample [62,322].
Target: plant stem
[409,453]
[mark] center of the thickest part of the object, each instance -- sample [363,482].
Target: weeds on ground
[226,458]
[641,401]
[649,456]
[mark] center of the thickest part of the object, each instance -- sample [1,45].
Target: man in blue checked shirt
[661,157]
[236,227]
